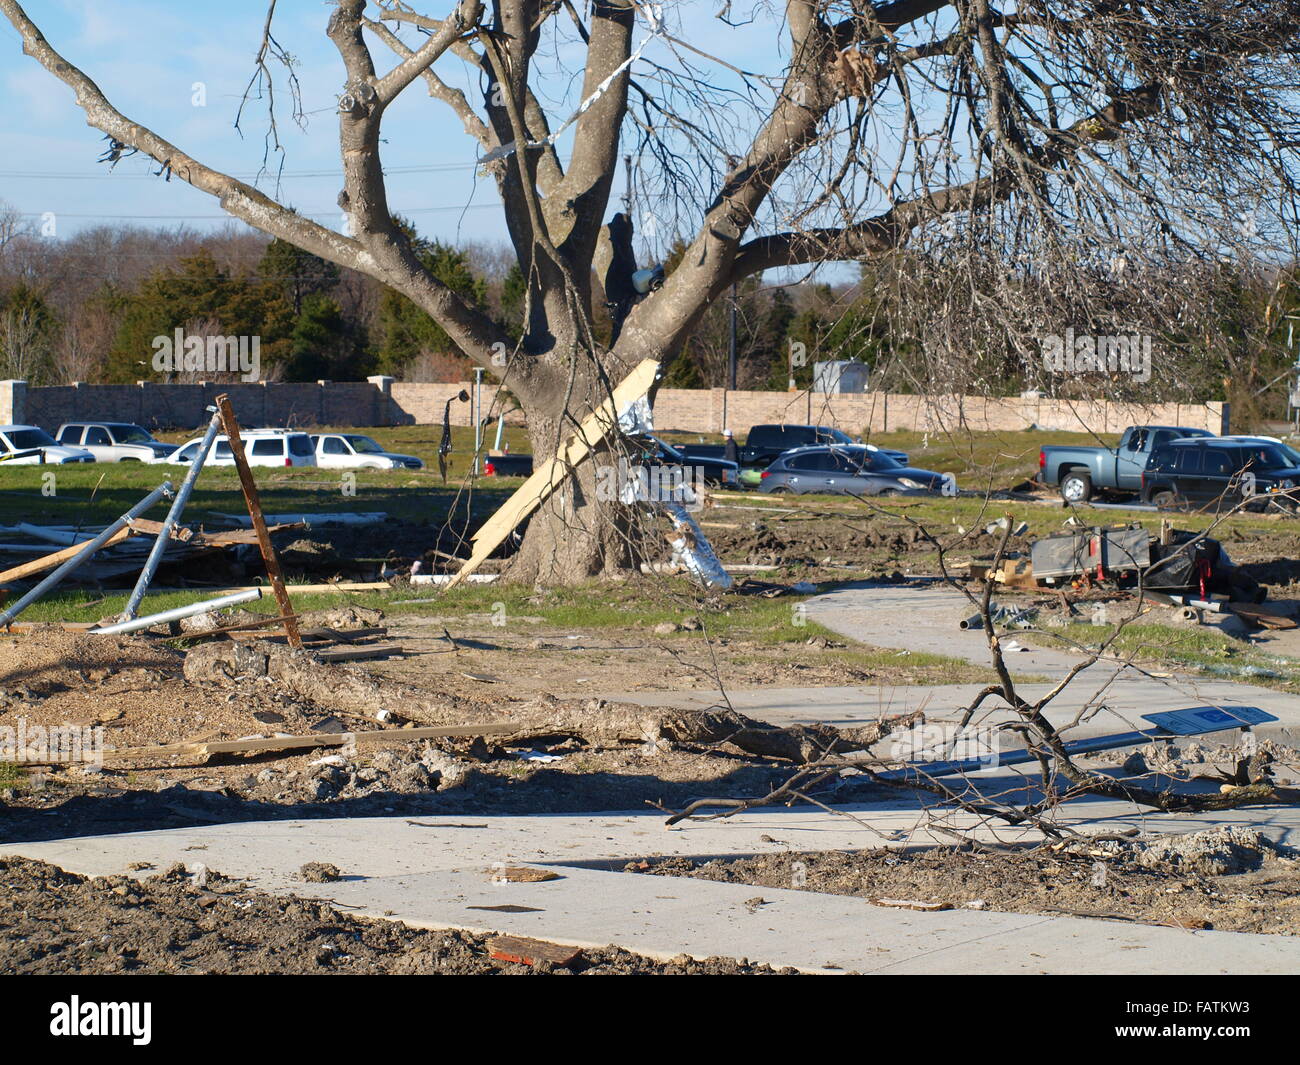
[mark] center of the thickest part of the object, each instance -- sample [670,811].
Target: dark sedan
[716,472]
[648,451]
[850,469]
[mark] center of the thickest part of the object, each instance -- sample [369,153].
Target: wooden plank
[358,654]
[345,635]
[1268,615]
[524,951]
[52,561]
[243,626]
[292,744]
[19,627]
[254,502]
[553,472]
[303,589]
[155,528]
[240,536]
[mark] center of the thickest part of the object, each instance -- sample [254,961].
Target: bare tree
[1043,143]
[84,340]
[24,342]
[12,226]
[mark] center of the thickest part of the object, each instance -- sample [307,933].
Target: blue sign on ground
[1197,719]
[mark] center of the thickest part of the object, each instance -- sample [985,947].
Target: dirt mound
[196,921]
[50,659]
[1215,852]
[1163,881]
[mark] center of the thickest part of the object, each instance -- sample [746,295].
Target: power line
[232,218]
[394,171]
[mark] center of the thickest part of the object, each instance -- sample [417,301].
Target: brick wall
[383,401]
[877,412]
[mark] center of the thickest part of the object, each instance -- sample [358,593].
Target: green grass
[588,608]
[1192,648]
[11,774]
[777,625]
[96,494]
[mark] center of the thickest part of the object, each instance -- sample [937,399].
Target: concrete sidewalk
[443,873]
[926,620]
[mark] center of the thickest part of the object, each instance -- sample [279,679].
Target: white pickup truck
[29,445]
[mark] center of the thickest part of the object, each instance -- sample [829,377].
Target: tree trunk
[581,531]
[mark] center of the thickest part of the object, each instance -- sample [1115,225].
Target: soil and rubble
[1232,879]
[180,921]
[145,692]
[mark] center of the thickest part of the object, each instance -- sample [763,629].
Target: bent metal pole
[83,556]
[173,516]
[176,613]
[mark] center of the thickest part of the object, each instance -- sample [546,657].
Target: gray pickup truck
[1083,472]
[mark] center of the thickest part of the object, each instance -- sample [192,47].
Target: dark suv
[1226,470]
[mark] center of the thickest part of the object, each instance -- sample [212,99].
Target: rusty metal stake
[254,503]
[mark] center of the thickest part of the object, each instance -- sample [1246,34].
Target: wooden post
[254,503]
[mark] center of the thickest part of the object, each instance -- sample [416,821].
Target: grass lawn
[1187,649]
[775,625]
[96,494]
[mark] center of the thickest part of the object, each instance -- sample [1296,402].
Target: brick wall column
[383,414]
[13,402]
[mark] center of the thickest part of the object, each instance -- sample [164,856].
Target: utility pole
[1293,397]
[731,341]
[478,416]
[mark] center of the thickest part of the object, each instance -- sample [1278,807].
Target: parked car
[1082,472]
[262,447]
[849,469]
[718,473]
[652,452]
[114,441]
[27,444]
[506,465]
[1222,469]
[354,451]
[765,442]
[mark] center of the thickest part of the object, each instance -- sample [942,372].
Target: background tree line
[86,308]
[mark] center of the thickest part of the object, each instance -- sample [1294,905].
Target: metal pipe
[173,516]
[175,614]
[83,556]
[478,416]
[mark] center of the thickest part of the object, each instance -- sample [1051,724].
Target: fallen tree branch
[596,722]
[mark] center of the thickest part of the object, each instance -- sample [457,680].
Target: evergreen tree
[199,292]
[326,346]
[298,273]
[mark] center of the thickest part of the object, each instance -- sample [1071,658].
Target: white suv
[262,447]
[114,441]
[26,444]
[351,450]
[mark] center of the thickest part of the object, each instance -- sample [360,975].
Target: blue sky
[147,55]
